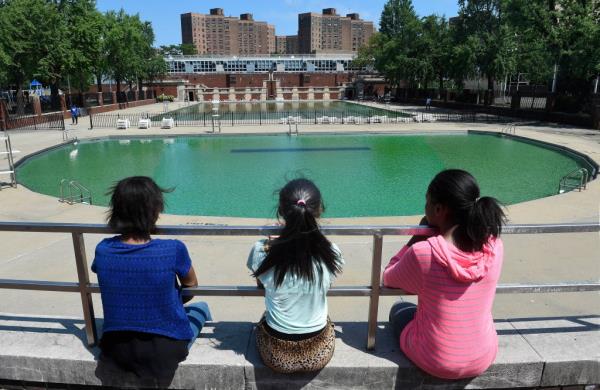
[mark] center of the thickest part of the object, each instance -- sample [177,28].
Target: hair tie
[301,203]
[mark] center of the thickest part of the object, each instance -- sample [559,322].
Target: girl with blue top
[146,329]
[296,270]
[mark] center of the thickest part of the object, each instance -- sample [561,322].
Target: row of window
[235,66]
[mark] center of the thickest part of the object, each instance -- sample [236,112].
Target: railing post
[84,282]
[375,288]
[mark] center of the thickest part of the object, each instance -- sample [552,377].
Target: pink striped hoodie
[453,334]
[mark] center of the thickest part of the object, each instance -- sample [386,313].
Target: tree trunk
[490,92]
[21,103]
[99,82]
[54,97]
[118,83]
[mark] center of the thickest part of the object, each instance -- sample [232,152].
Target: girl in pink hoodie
[450,334]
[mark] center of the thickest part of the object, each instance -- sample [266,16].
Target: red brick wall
[166,89]
[249,80]
[114,107]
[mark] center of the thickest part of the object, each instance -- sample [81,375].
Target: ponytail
[301,247]
[477,218]
[484,219]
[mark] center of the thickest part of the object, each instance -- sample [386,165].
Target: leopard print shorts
[296,356]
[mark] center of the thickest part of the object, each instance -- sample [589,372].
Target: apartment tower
[216,33]
[330,32]
[286,44]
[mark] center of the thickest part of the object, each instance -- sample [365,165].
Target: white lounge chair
[167,123]
[144,123]
[123,124]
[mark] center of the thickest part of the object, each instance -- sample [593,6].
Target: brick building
[218,34]
[286,44]
[259,78]
[330,32]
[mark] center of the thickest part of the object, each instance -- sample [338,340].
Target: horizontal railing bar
[547,288]
[367,230]
[39,285]
[338,291]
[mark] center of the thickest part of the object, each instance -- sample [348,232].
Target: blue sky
[164,15]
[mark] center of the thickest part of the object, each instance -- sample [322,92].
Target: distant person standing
[74,114]
[428,103]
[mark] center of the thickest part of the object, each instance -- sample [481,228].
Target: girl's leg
[401,314]
[198,313]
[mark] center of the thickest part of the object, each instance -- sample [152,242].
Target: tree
[85,27]
[435,46]
[531,24]
[481,30]
[27,41]
[154,65]
[127,44]
[578,29]
[398,19]
[186,49]
[394,52]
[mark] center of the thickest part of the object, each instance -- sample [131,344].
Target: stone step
[532,352]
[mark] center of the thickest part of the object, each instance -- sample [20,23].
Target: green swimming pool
[359,175]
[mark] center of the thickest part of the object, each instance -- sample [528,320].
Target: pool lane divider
[322,149]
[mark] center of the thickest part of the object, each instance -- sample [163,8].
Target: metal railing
[373,291]
[576,180]
[190,117]
[78,193]
[510,128]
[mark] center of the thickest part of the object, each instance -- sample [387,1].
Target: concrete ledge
[532,352]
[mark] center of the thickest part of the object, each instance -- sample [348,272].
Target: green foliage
[482,31]
[399,19]
[435,45]
[493,39]
[85,28]
[186,49]
[162,97]
[578,54]
[25,39]
[70,41]
[395,50]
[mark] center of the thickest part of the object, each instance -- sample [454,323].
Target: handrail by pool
[373,291]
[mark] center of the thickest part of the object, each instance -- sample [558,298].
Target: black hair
[477,217]
[301,245]
[135,205]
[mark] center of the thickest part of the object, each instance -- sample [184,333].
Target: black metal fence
[51,121]
[317,117]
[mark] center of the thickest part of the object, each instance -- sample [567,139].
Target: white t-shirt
[296,306]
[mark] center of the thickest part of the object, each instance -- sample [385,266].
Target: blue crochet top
[138,286]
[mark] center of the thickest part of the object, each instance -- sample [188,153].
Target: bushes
[162,97]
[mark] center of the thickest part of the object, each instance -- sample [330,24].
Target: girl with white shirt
[296,270]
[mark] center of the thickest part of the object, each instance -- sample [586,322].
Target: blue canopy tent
[36,87]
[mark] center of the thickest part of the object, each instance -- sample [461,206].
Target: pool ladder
[77,193]
[510,128]
[10,170]
[216,122]
[292,131]
[576,180]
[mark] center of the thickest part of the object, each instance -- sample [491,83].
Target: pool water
[275,110]
[359,175]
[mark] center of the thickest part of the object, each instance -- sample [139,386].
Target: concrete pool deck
[221,260]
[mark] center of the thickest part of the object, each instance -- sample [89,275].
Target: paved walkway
[221,260]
